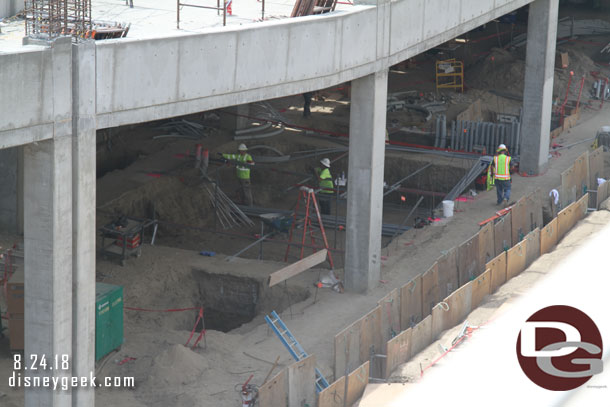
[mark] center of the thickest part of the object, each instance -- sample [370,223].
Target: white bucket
[448,209]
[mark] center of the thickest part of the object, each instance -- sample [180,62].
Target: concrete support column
[365,182]
[48,264]
[538,88]
[10,201]
[83,219]
[234,117]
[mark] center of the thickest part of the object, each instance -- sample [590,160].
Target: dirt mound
[176,366]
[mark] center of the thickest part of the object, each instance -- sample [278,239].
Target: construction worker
[243,171]
[325,181]
[501,173]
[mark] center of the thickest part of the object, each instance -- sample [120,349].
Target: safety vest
[243,171]
[326,181]
[502,165]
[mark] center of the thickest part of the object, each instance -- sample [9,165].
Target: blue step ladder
[293,346]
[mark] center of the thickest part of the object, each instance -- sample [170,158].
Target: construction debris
[183,128]
[469,178]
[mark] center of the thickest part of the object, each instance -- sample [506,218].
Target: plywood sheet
[502,233]
[297,267]
[390,316]
[439,319]
[498,271]
[581,174]
[347,349]
[468,260]
[596,166]
[410,303]
[302,382]
[519,221]
[332,396]
[480,288]
[548,236]
[515,259]
[430,290]
[486,245]
[422,335]
[566,219]
[399,351]
[273,393]
[370,339]
[356,383]
[568,187]
[447,273]
[534,210]
[460,304]
[532,251]
[582,206]
[602,193]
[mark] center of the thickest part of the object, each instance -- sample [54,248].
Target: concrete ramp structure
[55,96]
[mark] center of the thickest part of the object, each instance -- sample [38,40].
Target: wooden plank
[581,207]
[498,271]
[356,383]
[581,174]
[486,245]
[332,396]
[390,316]
[447,273]
[568,187]
[532,251]
[502,233]
[296,268]
[596,166]
[439,319]
[565,220]
[534,210]
[273,393]
[515,259]
[410,303]
[602,193]
[430,290]
[468,260]
[422,335]
[519,222]
[480,288]
[370,339]
[548,236]
[302,382]
[460,304]
[347,349]
[399,351]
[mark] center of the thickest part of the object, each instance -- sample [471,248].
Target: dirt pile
[176,366]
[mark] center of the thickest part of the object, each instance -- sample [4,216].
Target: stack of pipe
[227,212]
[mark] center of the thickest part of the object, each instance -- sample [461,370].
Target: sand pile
[176,366]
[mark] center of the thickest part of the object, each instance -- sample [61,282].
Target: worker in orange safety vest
[501,173]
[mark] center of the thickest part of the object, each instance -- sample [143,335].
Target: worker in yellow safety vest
[244,161]
[327,189]
[501,173]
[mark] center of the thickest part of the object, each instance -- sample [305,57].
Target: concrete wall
[11,190]
[9,8]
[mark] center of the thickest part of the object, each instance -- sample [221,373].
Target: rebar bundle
[228,214]
[49,19]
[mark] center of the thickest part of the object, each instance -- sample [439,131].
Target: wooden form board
[370,340]
[399,351]
[296,268]
[302,382]
[502,233]
[480,288]
[430,290]
[447,273]
[439,319]
[603,192]
[581,174]
[532,251]
[498,271]
[390,316]
[515,259]
[519,221]
[548,236]
[596,166]
[582,205]
[421,335]
[566,219]
[486,245]
[568,187]
[534,210]
[356,383]
[273,393]
[332,396]
[460,305]
[410,303]
[468,260]
[347,349]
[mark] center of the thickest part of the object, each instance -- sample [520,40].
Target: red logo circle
[560,348]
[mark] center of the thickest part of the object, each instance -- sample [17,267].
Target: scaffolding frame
[450,75]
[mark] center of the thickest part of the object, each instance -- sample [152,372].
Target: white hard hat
[242,147]
[325,162]
[501,147]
